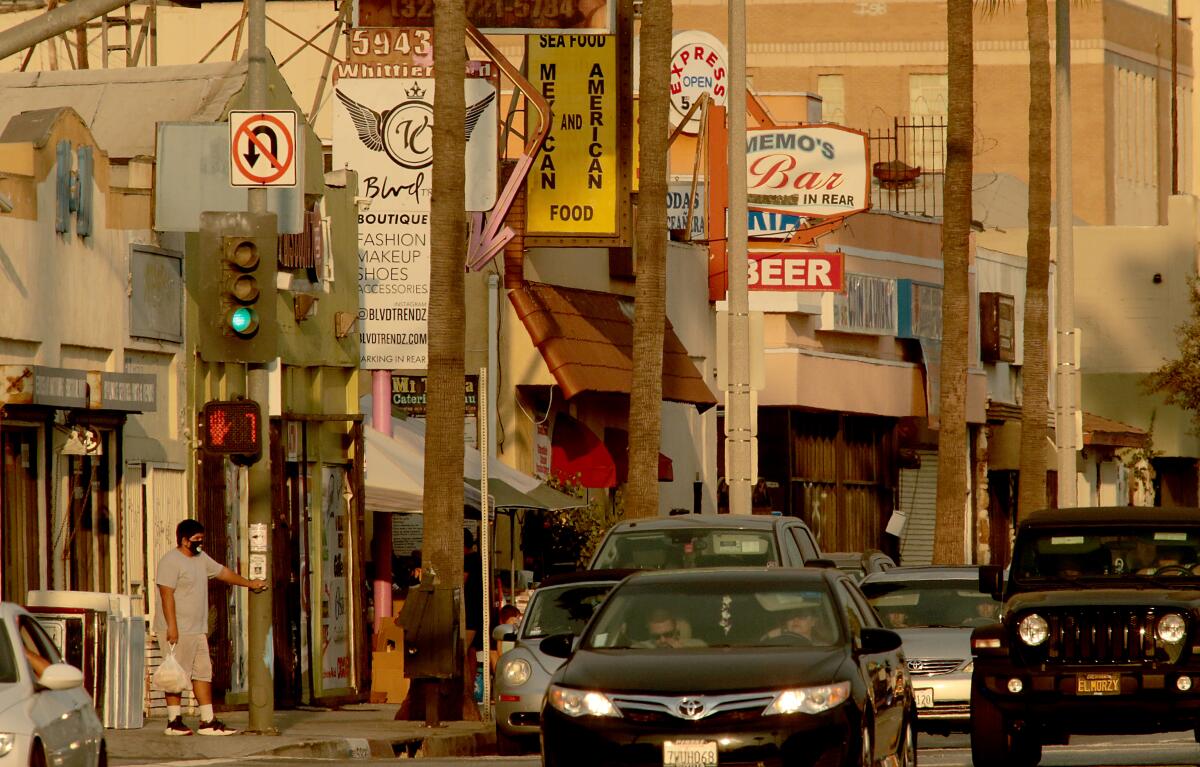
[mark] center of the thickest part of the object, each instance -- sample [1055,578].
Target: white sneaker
[215,727]
[177,727]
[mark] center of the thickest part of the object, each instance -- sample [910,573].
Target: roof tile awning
[1098,430]
[586,339]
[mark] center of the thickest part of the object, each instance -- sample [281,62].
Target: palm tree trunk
[949,537]
[645,399]
[442,541]
[1034,375]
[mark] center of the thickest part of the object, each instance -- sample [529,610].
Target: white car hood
[942,643]
[14,709]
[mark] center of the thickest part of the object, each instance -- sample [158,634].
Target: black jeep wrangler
[1100,632]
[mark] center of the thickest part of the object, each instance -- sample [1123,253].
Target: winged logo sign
[383,129]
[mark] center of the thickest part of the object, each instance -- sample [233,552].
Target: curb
[466,744]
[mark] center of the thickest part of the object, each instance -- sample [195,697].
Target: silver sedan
[934,610]
[46,717]
[560,605]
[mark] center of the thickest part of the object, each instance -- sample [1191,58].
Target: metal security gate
[918,500]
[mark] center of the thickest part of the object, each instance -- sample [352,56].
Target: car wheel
[994,742]
[907,754]
[507,745]
[866,745]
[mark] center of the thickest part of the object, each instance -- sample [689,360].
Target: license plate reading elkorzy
[689,753]
[1098,684]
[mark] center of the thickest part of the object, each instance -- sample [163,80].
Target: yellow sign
[574,183]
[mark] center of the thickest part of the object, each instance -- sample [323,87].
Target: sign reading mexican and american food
[817,170]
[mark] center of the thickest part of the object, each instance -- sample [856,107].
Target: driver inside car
[798,625]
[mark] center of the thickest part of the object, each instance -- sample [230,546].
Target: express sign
[797,271]
[818,170]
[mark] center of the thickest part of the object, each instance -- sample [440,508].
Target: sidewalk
[357,731]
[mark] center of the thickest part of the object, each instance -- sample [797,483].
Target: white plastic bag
[170,676]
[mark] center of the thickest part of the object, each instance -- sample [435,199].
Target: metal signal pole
[739,437]
[261,676]
[1066,371]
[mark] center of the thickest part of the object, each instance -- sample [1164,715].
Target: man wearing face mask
[182,620]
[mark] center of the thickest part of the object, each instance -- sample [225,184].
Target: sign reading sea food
[572,189]
[819,171]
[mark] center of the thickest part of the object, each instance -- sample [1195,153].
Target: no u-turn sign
[263,147]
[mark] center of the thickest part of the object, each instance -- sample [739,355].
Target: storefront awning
[586,340]
[577,456]
[617,442]
[1098,430]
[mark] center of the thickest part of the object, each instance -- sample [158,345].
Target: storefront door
[20,559]
[88,523]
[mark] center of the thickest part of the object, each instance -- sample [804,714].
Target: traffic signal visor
[241,291]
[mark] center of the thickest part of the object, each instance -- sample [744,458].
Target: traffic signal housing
[233,428]
[236,294]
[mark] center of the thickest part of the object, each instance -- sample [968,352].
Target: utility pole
[261,677]
[1066,371]
[739,438]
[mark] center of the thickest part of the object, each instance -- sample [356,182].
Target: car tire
[994,742]
[866,744]
[508,745]
[906,755]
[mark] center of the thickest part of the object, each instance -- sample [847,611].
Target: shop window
[89,523]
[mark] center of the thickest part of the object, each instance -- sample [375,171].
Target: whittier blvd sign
[818,171]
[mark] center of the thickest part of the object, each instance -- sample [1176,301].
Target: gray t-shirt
[189,577]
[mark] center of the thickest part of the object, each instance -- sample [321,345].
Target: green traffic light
[243,320]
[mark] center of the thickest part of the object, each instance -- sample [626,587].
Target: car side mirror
[991,581]
[558,645]
[60,676]
[875,640]
[505,632]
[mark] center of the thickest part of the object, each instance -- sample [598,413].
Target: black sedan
[731,666]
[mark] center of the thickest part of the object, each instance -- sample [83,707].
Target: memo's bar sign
[505,17]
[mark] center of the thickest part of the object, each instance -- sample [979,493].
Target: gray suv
[707,540]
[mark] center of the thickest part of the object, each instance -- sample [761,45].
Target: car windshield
[921,604]
[1146,553]
[686,548]
[657,616]
[562,609]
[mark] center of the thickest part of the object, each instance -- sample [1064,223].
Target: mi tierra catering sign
[573,187]
[819,171]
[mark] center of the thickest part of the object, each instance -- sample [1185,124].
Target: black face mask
[195,546]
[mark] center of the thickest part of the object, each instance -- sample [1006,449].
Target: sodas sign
[816,170]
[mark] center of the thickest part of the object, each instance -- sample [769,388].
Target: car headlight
[1033,630]
[1171,628]
[969,668]
[809,700]
[7,741]
[516,672]
[581,702]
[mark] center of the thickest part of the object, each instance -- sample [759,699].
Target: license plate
[1098,684]
[923,696]
[689,753]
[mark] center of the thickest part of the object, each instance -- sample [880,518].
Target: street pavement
[360,731]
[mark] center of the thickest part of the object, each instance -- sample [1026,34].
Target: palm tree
[1034,374]
[442,541]
[956,241]
[645,399]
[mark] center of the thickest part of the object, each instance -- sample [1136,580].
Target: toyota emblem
[916,665]
[691,708]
